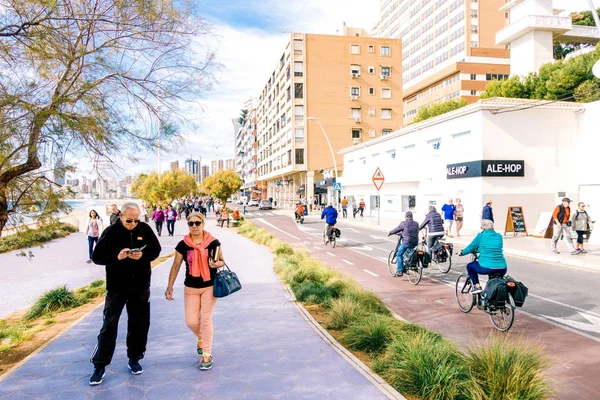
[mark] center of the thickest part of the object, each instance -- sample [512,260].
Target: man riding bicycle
[410,239]
[436,227]
[488,244]
[299,210]
[330,214]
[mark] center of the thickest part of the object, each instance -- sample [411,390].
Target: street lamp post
[331,150]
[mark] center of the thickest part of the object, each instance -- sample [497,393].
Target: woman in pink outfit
[203,256]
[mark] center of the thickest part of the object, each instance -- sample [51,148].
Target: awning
[301,189]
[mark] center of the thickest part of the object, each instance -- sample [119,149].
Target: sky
[249,37]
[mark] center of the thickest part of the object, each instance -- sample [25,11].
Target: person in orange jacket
[361,207]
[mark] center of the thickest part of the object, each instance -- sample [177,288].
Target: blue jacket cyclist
[488,244]
[330,214]
[410,238]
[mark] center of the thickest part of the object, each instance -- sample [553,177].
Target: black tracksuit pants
[138,324]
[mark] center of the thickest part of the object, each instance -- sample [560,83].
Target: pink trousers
[199,305]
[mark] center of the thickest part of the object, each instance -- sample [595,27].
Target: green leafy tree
[561,49]
[243,117]
[222,184]
[439,109]
[84,79]
[587,92]
[170,186]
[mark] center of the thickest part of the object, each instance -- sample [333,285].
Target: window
[474,43]
[473,28]
[371,49]
[385,51]
[354,49]
[355,70]
[371,132]
[287,73]
[386,93]
[356,134]
[371,70]
[473,92]
[298,90]
[391,153]
[355,112]
[386,132]
[298,68]
[371,91]
[371,112]
[299,156]
[473,77]
[299,134]
[283,120]
[299,113]
[386,71]
[386,113]
[473,13]
[297,46]
[288,93]
[355,91]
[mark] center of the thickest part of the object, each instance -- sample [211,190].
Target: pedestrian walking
[217,208]
[345,207]
[114,217]
[245,207]
[459,214]
[144,212]
[94,230]
[487,213]
[448,210]
[202,255]
[361,207]
[179,209]
[582,224]
[354,208]
[562,222]
[158,217]
[126,249]
[171,215]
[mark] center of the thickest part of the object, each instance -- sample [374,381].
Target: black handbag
[226,282]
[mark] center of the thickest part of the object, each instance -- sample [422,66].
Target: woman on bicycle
[488,244]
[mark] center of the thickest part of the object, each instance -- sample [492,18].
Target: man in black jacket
[410,239]
[127,249]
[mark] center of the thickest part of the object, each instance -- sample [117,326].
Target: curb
[386,389]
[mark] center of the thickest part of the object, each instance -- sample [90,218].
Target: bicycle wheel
[415,273]
[445,266]
[503,318]
[333,242]
[392,263]
[325,239]
[464,298]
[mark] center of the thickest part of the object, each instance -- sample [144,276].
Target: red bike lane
[576,358]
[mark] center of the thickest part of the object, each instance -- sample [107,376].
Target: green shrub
[311,292]
[59,299]
[372,333]
[510,370]
[93,290]
[33,237]
[428,368]
[369,300]
[284,249]
[310,270]
[344,311]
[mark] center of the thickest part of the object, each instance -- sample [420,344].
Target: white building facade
[498,149]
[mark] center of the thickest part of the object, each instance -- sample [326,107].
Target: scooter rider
[299,212]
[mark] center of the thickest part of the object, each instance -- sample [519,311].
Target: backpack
[337,232]
[517,290]
[495,293]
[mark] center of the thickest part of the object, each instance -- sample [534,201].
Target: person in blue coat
[488,243]
[330,214]
[487,212]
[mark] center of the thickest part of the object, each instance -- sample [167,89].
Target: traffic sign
[378,179]
[337,186]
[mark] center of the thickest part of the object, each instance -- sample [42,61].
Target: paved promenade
[263,348]
[59,262]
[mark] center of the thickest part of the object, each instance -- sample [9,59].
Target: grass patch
[428,368]
[510,370]
[372,333]
[28,237]
[414,360]
[55,300]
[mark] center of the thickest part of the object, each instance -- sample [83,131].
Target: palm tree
[243,116]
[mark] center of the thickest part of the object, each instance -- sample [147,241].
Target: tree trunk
[3,209]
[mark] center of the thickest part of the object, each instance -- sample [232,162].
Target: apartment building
[246,155]
[216,166]
[192,167]
[449,48]
[346,88]
[230,164]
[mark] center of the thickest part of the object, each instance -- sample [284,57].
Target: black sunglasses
[192,223]
[132,220]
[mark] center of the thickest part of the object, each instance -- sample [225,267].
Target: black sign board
[515,221]
[324,183]
[472,169]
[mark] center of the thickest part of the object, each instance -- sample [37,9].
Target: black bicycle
[414,271]
[501,315]
[331,239]
[441,255]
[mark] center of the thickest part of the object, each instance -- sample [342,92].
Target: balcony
[557,25]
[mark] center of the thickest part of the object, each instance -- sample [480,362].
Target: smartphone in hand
[132,251]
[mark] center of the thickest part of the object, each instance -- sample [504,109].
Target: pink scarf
[199,267]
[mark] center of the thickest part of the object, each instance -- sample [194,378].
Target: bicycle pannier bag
[337,233]
[426,258]
[410,257]
[517,290]
[495,293]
